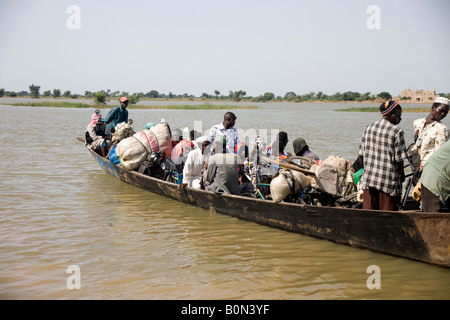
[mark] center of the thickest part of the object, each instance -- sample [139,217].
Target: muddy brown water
[58,210]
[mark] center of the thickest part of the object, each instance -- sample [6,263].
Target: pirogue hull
[409,234]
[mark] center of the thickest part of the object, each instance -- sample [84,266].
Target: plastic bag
[113,156]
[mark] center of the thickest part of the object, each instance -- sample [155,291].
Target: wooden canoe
[413,235]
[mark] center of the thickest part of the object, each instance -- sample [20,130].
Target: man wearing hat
[117,115]
[430,133]
[381,154]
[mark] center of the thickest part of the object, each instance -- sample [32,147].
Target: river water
[59,210]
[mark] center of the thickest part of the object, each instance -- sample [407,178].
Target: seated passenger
[95,135]
[181,149]
[301,149]
[149,125]
[277,148]
[194,135]
[222,172]
[193,167]
[177,136]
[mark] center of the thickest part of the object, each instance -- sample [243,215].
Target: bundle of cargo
[333,176]
[133,150]
[286,183]
[122,131]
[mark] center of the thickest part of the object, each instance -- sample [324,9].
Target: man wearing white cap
[430,133]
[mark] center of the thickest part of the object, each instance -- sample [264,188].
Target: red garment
[183,147]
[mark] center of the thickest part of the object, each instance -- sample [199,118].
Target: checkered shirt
[382,146]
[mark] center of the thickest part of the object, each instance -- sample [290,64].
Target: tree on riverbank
[385,95]
[34,91]
[56,93]
[100,97]
[237,95]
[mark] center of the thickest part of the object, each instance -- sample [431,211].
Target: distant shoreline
[81,105]
[206,105]
[110,101]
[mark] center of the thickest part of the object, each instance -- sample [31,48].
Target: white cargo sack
[133,150]
[161,134]
[333,176]
[286,182]
[122,131]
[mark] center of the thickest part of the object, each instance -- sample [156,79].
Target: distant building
[419,95]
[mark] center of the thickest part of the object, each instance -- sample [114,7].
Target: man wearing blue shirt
[117,115]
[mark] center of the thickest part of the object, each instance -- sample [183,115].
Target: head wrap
[279,144]
[298,145]
[201,139]
[149,125]
[282,137]
[388,107]
[95,118]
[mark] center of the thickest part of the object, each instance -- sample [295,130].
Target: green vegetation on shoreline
[376,109]
[203,106]
[103,96]
[65,104]
[56,104]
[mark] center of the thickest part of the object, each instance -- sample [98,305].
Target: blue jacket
[115,115]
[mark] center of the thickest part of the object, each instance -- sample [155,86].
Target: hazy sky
[200,46]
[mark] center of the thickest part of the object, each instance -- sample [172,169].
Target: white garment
[192,171]
[430,138]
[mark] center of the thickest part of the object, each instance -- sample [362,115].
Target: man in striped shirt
[381,154]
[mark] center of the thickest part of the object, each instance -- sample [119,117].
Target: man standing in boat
[435,180]
[381,155]
[430,133]
[226,129]
[117,115]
